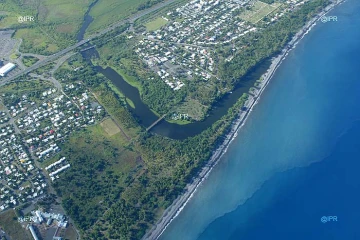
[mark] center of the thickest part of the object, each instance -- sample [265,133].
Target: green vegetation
[121,95]
[154,169]
[127,183]
[168,165]
[110,127]
[8,222]
[269,42]
[155,24]
[118,53]
[106,12]
[32,88]
[120,182]
[55,27]
[258,11]
[100,164]
[159,12]
[29,60]
[14,56]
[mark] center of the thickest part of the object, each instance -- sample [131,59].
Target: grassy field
[12,227]
[259,11]
[20,88]
[192,107]
[29,60]
[10,10]
[35,40]
[110,127]
[106,12]
[14,56]
[155,24]
[55,27]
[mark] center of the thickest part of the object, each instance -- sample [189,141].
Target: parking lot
[6,43]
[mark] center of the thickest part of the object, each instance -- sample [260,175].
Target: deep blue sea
[297,158]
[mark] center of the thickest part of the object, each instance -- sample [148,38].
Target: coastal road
[53,57]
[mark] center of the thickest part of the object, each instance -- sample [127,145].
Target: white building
[6,69]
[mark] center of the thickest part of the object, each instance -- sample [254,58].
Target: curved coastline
[178,205]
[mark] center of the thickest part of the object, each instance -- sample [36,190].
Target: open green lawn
[110,127]
[259,11]
[106,12]
[155,24]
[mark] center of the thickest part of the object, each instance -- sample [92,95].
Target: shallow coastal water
[296,158]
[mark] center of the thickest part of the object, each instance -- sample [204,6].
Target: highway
[53,57]
[43,62]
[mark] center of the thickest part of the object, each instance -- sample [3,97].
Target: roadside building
[33,233]
[6,69]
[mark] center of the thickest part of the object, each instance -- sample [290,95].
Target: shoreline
[178,205]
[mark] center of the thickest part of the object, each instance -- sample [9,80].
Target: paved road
[44,61]
[53,57]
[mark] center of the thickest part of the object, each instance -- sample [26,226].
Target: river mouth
[146,117]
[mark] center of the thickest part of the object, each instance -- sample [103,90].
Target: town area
[184,43]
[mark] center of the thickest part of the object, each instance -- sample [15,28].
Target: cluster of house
[184,47]
[4,118]
[55,119]
[17,105]
[208,23]
[35,133]
[20,181]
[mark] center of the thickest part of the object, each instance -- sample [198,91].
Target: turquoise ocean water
[297,158]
